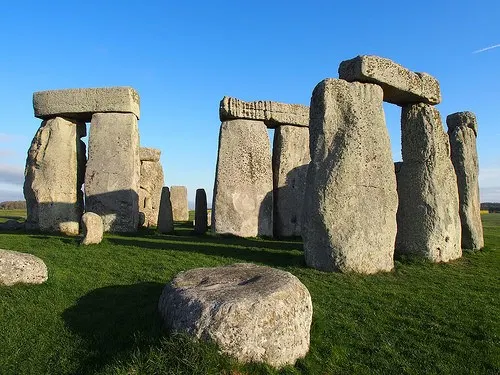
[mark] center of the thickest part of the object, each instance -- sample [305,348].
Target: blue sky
[183,57]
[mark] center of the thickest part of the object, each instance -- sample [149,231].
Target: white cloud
[491,194]
[9,192]
[487,48]
[11,174]
[489,177]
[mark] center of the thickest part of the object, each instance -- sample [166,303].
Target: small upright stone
[23,268]
[165,217]
[349,214]
[113,171]
[401,86]
[200,223]
[180,208]
[428,219]
[462,131]
[243,191]
[92,229]
[151,183]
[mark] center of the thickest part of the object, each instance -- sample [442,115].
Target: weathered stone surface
[92,229]
[462,131]
[290,161]
[149,154]
[24,268]
[401,86]
[243,201]
[151,183]
[178,197]
[52,185]
[272,113]
[201,217]
[254,313]
[113,171]
[80,104]
[349,219]
[428,219]
[165,216]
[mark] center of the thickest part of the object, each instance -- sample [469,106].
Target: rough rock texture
[290,161]
[24,268]
[178,197]
[462,131]
[52,185]
[113,171]
[349,220]
[151,183]
[149,154]
[92,228]
[165,216]
[254,313]
[428,219]
[401,86]
[272,113]
[80,104]
[243,191]
[201,217]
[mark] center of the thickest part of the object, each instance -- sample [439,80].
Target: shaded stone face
[462,131]
[165,217]
[243,202]
[401,86]
[113,171]
[53,177]
[349,214]
[428,219]
[178,197]
[200,222]
[81,104]
[254,313]
[290,162]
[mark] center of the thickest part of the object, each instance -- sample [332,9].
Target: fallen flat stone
[149,154]
[349,213]
[92,228]
[53,177]
[243,190]
[428,217]
[401,86]
[151,183]
[165,217]
[254,313]
[16,267]
[200,213]
[81,104]
[462,131]
[113,171]
[272,113]
[290,162]
[180,208]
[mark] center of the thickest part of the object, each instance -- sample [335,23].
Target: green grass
[97,312]
[19,215]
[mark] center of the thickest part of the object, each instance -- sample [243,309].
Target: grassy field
[97,312]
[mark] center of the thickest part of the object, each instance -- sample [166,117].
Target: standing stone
[165,217]
[113,171]
[92,228]
[243,202]
[462,131]
[349,214]
[151,183]
[178,197]
[290,161]
[428,219]
[52,186]
[201,217]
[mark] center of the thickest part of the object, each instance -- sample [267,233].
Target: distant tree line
[13,205]
[491,207]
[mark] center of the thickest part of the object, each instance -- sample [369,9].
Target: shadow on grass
[114,321]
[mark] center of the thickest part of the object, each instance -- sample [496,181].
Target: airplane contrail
[487,48]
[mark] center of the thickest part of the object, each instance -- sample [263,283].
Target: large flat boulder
[16,267]
[254,313]
[53,177]
[243,191]
[401,86]
[428,218]
[349,213]
[81,104]
[462,131]
[271,113]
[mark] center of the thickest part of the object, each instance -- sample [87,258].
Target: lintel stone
[80,104]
